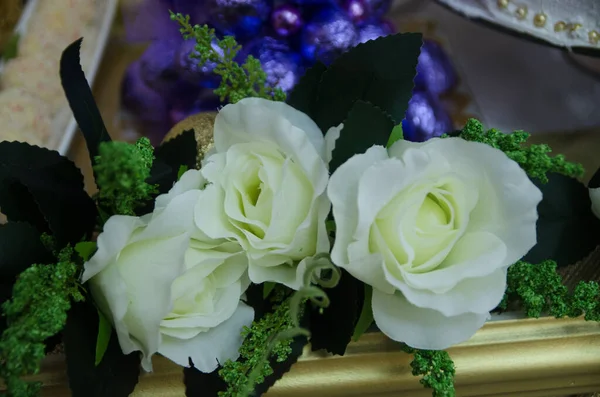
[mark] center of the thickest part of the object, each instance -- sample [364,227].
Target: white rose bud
[433,227]
[268,175]
[168,288]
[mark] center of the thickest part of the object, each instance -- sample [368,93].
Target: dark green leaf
[379,71]
[595,181]
[280,369]
[365,126]
[115,376]
[182,170]
[333,329]
[170,156]
[199,384]
[567,230]
[46,189]
[366,316]
[304,95]
[268,288]
[104,334]
[396,135]
[81,100]
[20,247]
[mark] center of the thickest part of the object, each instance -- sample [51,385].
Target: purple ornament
[206,101]
[425,118]
[361,11]
[191,70]
[373,31]
[329,34]
[240,18]
[157,65]
[286,20]
[146,104]
[435,72]
[282,66]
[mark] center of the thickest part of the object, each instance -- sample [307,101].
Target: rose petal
[349,253]
[422,328]
[150,299]
[210,348]
[190,180]
[595,199]
[173,219]
[331,137]
[115,235]
[209,214]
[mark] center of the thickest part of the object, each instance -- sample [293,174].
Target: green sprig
[257,343]
[121,173]
[534,159]
[539,289]
[237,81]
[436,369]
[42,295]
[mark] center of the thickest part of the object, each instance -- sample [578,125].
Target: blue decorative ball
[192,70]
[435,72]
[329,34]
[243,19]
[373,31]
[286,20]
[282,66]
[425,118]
[363,11]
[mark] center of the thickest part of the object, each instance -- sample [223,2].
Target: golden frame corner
[523,357]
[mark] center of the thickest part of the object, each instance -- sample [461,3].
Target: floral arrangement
[307,219]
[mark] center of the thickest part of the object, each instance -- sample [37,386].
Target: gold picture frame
[522,357]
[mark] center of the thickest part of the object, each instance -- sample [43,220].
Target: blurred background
[528,65]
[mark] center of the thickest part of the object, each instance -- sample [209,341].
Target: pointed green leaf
[304,95]
[366,316]
[267,289]
[379,71]
[85,249]
[396,135]
[104,332]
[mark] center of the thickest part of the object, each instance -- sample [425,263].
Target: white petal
[331,137]
[475,295]
[595,198]
[476,254]
[150,297]
[208,349]
[422,328]
[175,218]
[295,117]
[343,194]
[209,214]
[190,180]
[115,235]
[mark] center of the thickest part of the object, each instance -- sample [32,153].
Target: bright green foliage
[237,81]
[534,159]
[121,173]
[257,343]
[38,309]
[539,289]
[436,369]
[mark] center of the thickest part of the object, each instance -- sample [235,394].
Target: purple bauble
[158,66]
[435,72]
[425,118]
[282,66]
[146,104]
[286,20]
[362,11]
[373,31]
[242,19]
[329,34]
[207,101]
[191,70]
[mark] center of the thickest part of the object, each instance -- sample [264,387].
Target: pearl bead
[594,37]
[574,27]
[521,12]
[560,26]
[539,20]
[502,3]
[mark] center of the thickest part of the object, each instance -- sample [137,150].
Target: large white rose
[433,227]
[267,178]
[168,288]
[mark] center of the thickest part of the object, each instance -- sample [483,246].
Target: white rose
[433,227]
[167,288]
[595,199]
[267,178]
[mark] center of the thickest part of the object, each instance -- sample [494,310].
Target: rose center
[433,213]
